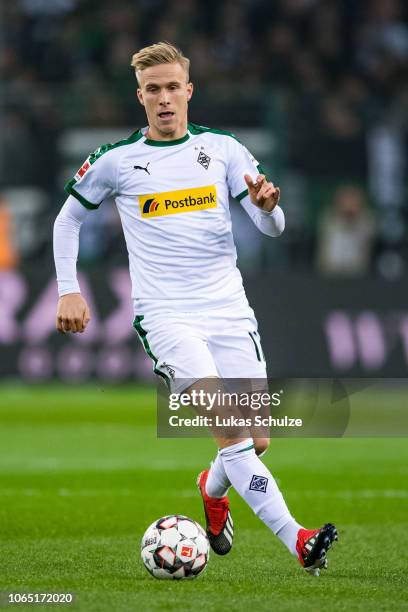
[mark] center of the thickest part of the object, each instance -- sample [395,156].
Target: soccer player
[171,182]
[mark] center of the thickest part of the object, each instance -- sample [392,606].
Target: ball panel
[151,538]
[170,537]
[186,550]
[199,561]
[203,545]
[148,561]
[187,528]
[179,574]
[162,574]
[167,555]
[167,522]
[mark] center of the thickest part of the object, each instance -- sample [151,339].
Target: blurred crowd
[326,78]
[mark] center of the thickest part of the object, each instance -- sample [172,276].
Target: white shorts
[188,346]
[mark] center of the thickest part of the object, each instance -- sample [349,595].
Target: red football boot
[219,528]
[312,546]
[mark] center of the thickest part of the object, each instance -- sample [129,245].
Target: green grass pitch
[82,475]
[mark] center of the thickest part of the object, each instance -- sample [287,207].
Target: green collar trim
[166,143]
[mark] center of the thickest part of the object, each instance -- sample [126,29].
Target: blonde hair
[159,53]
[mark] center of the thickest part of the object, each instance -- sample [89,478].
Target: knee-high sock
[256,485]
[217,482]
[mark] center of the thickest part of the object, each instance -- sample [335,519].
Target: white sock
[217,484]
[256,485]
[288,535]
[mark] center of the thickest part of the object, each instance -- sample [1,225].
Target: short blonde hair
[159,53]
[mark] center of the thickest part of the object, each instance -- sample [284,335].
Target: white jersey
[173,201]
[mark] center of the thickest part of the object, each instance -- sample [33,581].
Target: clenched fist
[72,314]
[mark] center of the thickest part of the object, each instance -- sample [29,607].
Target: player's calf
[261,445]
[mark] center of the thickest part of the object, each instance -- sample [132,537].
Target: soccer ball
[175,547]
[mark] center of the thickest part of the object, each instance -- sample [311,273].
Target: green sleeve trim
[241,195]
[194,128]
[244,193]
[109,146]
[69,188]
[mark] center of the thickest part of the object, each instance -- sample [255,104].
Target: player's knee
[261,445]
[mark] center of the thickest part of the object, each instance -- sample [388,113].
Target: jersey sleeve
[240,162]
[95,180]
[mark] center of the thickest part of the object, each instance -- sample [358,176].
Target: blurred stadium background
[318,90]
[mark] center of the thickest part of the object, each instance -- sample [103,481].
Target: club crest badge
[204,159]
[258,483]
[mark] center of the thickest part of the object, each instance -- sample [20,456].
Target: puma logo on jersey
[179,201]
[143,168]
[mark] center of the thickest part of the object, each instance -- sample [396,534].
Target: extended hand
[262,193]
[72,313]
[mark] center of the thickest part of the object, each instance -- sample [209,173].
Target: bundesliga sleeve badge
[85,166]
